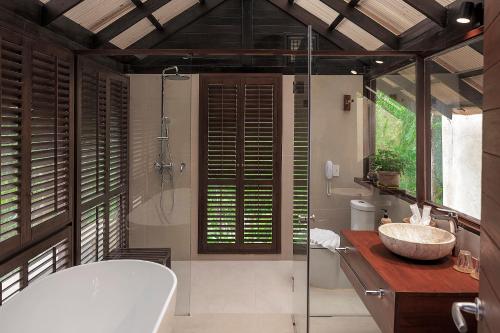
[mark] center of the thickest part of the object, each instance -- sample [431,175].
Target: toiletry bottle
[386,219]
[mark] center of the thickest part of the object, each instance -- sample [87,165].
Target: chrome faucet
[455,228]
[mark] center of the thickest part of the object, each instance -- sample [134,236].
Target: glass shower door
[301,144]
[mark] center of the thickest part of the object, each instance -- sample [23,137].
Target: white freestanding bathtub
[122,296]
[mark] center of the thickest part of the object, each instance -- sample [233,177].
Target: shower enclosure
[160,177]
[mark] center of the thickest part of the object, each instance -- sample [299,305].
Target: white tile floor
[256,296]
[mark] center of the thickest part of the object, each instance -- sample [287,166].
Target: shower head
[174,77]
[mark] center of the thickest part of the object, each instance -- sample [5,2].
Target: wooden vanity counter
[417,295]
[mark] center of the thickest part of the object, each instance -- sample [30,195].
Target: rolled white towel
[326,238]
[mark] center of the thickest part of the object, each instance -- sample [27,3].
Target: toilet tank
[362,215]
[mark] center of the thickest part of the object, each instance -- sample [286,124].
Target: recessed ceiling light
[465,13]
[379,61]
[463,20]
[354,72]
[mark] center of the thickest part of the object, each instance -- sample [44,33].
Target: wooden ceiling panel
[318,9]
[359,35]
[95,15]
[394,15]
[172,9]
[133,34]
[461,59]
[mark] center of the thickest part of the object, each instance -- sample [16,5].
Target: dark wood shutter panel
[11,107]
[300,162]
[103,162]
[92,140]
[36,132]
[240,158]
[118,163]
[222,162]
[92,234]
[259,132]
[50,126]
[47,257]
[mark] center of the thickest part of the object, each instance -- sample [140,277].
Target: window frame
[424,139]
[255,248]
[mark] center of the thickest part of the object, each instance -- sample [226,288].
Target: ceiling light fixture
[379,61]
[354,72]
[465,13]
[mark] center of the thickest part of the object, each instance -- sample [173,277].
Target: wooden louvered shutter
[11,113]
[36,117]
[262,159]
[50,139]
[102,165]
[118,162]
[91,167]
[240,159]
[221,160]
[300,164]
[49,256]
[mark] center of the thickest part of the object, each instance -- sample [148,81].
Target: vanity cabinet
[404,295]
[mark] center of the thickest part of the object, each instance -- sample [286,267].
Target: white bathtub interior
[124,296]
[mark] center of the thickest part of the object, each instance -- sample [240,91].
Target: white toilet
[362,215]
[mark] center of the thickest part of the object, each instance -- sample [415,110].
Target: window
[240,163]
[36,147]
[47,257]
[395,121]
[456,126]
[102,170]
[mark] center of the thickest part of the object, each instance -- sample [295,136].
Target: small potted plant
[389,166]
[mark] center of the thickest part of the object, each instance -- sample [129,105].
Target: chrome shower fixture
[176,76]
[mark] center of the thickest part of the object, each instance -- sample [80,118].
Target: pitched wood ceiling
[369,24]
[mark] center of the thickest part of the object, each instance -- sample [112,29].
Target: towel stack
[326,238]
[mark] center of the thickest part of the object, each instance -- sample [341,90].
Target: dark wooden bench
[158,255]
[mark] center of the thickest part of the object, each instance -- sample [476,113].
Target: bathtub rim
[164,307]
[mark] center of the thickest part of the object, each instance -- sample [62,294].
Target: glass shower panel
[160,168]
[349,112]
[301,112]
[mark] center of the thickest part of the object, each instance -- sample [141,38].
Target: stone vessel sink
[417,241]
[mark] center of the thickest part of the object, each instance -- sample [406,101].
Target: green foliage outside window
[396,131]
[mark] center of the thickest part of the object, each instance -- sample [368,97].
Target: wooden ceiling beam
[470,73]
[54,9]
[456,84]
[430,8]
[364,22]
[182,20]
[338,19]
[144,10]
[306,18]
[154,21]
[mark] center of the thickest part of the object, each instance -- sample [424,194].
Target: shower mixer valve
[163,166]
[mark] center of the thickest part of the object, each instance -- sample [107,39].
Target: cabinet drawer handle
[379,293]
[344,249]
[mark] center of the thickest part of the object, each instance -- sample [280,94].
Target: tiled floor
[231,323]
[256,296]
